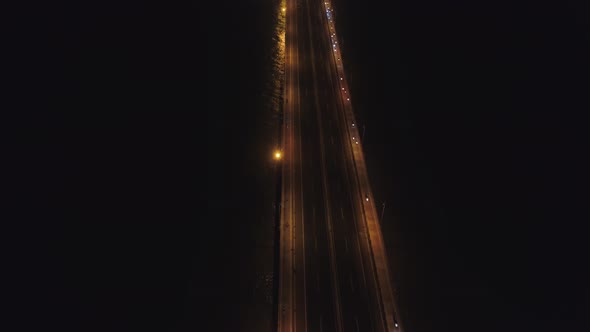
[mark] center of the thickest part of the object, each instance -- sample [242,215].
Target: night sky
[136,175]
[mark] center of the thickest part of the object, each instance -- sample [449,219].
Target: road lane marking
[358,245]
[341,211]
[356,321]
[317,278]
[324,174]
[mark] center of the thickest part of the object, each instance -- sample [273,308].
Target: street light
[284,8]
[278,155]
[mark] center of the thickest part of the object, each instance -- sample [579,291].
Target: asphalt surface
[338,291]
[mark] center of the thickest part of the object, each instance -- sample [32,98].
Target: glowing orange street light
[284,8]
[278,155]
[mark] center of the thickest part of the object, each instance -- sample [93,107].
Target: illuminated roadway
[333,274]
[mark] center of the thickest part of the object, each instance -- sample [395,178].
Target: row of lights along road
[334,42]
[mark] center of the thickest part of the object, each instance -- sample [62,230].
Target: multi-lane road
[333,273]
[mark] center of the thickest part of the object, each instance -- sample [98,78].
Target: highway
[333,273]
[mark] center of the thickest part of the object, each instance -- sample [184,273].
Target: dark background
[474,118]
[106,180]
[130,149]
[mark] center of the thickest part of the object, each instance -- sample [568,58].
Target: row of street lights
[330,12]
